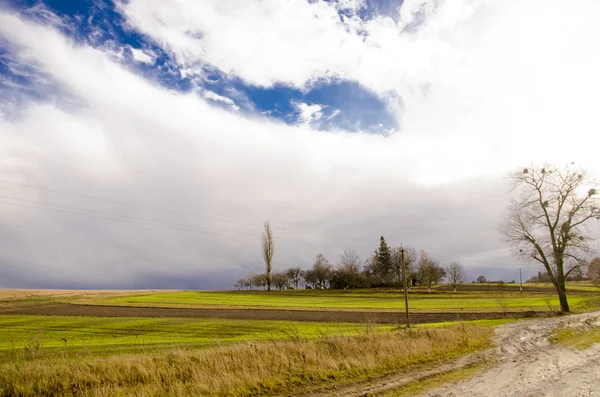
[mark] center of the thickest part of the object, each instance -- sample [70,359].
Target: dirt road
[529,365]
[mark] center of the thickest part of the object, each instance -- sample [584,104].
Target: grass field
[357,300]
[125,335]
[171,354]
[244,369]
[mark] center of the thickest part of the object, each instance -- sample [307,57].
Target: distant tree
[268,249]
[384,259]
[349,258]
[280,280]
[456,274]
[310,279]
[481,280]
[429,272]
[320,272]
[259,280]
[539,278]
[410,260]
[593,271]
[348,273]
[244,282]
[295,275]
[547,222]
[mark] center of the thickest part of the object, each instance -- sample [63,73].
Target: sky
[143,143]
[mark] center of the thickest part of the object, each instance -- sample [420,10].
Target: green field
[358,300]
[126,334]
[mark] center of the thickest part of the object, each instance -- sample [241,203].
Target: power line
[141,206]
[106,213]
[129,219]
[146,223]
[183,227]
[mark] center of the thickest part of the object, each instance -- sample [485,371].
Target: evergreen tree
[384,259]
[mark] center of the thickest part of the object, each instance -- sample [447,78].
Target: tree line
[383,268]
[546,223]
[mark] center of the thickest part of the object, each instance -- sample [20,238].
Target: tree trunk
[560,283]
[562,295]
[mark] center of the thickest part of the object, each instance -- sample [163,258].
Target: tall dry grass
[248,369]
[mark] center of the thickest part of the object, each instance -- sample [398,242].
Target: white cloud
[213,96]
[308,113]
[146,57]
[490,80]
[233,36]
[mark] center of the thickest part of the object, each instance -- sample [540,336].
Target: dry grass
[248,369]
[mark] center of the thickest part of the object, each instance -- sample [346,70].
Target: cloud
[494,74]
[478,87]
[142,56]
[308,113]
[213,96]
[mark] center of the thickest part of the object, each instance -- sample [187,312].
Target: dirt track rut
[256,314]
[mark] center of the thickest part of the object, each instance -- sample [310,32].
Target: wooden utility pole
[405,287]
[521,280]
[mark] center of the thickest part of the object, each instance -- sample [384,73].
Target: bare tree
[456,274]
[429,272]
[280,280]
[410,260]
[295,275]
[481,280]
[350,259]
[321,271]
[268,248]
[259,280]
[546,223]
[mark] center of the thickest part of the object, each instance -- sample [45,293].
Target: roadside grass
[483,323]
[24,334]
[354,300]
[438,380]
[244,369]
[580,338]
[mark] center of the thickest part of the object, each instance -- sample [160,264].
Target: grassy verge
[246,369]
[438,380]
[578,338]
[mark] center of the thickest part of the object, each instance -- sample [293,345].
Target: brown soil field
[254,314]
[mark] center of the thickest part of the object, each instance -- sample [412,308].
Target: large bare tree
[268,248]
[547,221]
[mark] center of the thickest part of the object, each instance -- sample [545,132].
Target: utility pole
[521,280]
[405,287]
